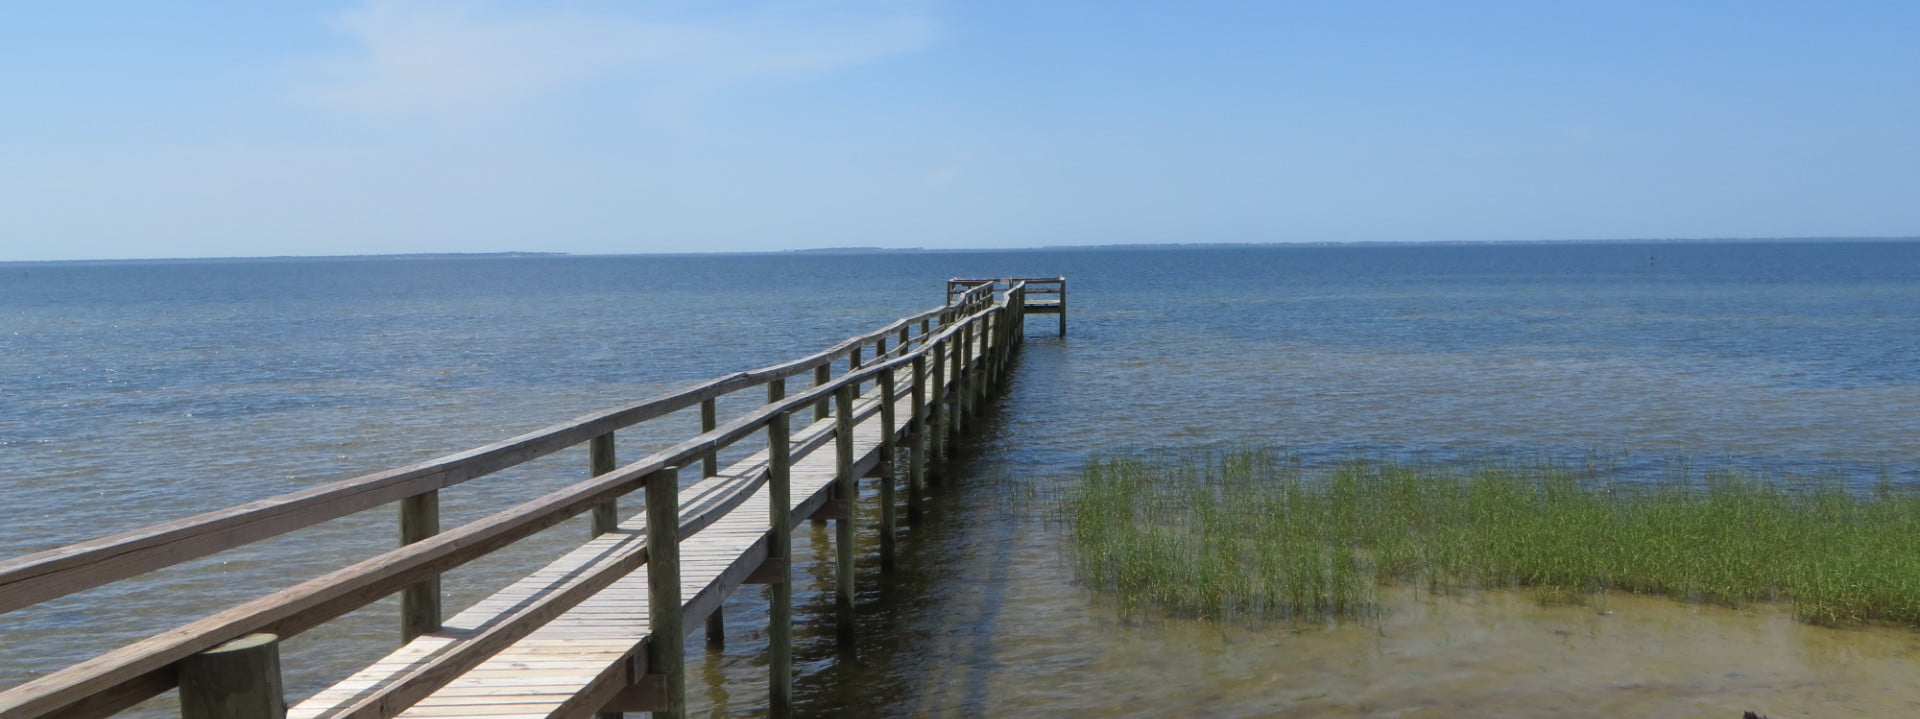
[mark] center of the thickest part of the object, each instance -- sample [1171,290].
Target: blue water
[132,393]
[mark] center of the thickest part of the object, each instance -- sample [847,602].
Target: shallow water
[136,393]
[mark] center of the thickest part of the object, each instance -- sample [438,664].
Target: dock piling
[666,646]
[236,680]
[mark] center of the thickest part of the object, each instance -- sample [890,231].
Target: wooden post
[904,336]
[976,358]
[938,406]
[779,548]
[989,333]
[821,375]
[999,342]
[717,629]
[1023,314]
[962,360]
[709,419]
[917,463]
[983,373]
[666,646]
[420,601]
[709,467]
[1020,331]
[236,680]
[992,335]
[1017,304]
[606,515]
[990,354]
[843,525]
[989,357]
[888,431]
[1008,325]
[1063,306]
[853,364]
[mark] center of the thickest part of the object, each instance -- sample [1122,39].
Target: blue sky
[139,129]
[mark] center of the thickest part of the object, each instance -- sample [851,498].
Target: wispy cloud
[438,56]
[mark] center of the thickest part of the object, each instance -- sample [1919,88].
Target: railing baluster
[420,601]
[821,375]
[606,515]
[853,364]
[709,419]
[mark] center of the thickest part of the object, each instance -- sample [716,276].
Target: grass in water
[1240,533]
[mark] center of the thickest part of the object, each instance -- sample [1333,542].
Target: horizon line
[513,254]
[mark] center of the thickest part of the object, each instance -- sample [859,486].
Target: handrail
[133,672]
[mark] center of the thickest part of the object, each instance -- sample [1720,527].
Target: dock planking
[600,629]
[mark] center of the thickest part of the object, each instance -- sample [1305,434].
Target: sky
[309,127]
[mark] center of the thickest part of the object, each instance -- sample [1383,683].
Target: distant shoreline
[939,250]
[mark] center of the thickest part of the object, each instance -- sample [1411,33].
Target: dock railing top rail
[134,672]
[1035,285]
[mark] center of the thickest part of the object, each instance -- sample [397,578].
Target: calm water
[132,393]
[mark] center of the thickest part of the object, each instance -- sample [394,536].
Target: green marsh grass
[1241,533]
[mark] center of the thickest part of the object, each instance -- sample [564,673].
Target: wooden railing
[1042,295]
[945,354]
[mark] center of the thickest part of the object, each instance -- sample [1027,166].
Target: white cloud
[439,56]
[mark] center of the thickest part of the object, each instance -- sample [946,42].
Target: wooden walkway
[599,630]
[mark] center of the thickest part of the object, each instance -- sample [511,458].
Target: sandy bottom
[1482,654]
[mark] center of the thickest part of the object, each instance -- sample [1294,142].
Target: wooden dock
[599,630]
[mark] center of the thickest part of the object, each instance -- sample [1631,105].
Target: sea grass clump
[1234,533]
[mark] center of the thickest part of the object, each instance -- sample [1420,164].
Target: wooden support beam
[832,508]
[645,694]
[772,571]
[236,680]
